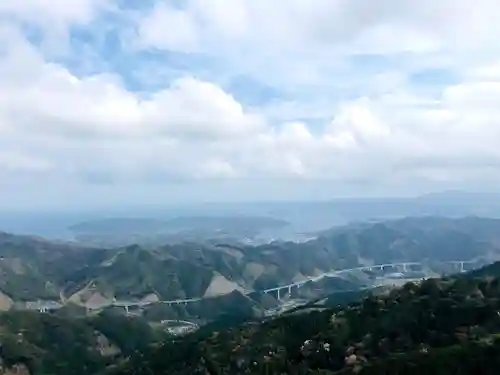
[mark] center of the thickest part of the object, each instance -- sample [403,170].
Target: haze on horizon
[101,104]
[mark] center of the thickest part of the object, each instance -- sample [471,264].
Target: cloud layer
[339,95]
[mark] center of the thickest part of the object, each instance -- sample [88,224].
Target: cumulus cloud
[372,123]
[50,11]
[297,24]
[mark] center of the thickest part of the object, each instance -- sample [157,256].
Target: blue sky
[107,102]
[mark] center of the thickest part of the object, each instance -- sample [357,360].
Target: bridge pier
[405,266]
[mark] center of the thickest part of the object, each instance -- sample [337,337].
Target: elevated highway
[404,266]
[280,290]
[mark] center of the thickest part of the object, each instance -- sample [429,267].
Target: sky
[119,102]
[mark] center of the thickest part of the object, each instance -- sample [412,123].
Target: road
[288,287]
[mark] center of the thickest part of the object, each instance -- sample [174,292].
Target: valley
[181,291]
[249,187]
[287,297]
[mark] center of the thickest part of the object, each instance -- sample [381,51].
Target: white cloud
[306,25]
[48,12]
[301,45]
[46,98]
[370,124]
[488,72]
[169,28]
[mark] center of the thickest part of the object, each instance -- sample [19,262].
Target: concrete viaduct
[279,290]
[403,265]
[287,289]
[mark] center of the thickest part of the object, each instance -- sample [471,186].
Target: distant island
[122,231]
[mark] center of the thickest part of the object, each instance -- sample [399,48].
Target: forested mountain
[35,343]
[33,268]
[490,271]
[438,327]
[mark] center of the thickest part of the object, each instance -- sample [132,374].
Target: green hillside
[441,326]
[430,326]
[492,270]
[47,344]
[33,268]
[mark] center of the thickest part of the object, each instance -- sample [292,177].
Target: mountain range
[437,327]
[440,326]
[33,268]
